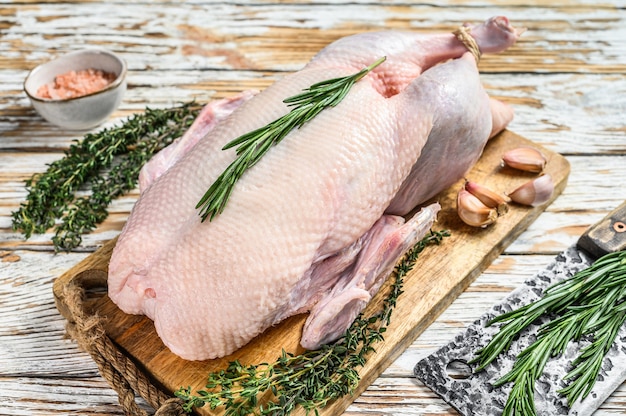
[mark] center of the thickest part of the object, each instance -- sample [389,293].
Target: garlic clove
[473,212]
[527,159]
[534,192]
[488,197]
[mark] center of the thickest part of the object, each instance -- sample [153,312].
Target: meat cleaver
[447,373]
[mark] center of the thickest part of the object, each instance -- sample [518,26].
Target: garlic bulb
[527,159]
[488,197]
[534,192]
[472,211]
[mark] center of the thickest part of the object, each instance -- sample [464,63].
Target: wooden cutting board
[441,274]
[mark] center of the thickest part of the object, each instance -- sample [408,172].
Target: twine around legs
[464,36]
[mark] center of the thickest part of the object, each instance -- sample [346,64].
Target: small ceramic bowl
[82,112]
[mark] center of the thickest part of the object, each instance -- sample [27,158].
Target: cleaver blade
[448,374]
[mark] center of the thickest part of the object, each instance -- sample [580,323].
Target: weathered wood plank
[284,36]
[54,396]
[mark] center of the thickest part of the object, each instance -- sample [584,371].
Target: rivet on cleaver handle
[607,236]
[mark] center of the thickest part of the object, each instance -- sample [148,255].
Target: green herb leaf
[252,146]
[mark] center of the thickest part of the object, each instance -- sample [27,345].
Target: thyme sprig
[52,199]
[589,304]
[252,146]
[312,379]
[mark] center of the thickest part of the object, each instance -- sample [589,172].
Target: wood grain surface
[565,79]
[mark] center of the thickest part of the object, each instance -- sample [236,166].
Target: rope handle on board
[119,370]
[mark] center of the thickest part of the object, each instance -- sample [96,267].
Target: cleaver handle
[606,236]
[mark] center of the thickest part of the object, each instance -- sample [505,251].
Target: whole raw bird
[315,226]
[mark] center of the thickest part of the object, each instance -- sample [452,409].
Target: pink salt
[74,84]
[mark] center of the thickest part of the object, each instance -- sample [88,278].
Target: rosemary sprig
[587,365]
[590,303]
[310,380]
[252,146]
[52,195]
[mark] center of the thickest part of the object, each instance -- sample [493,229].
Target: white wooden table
[566,79]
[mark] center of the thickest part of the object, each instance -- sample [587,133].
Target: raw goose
[314,226]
